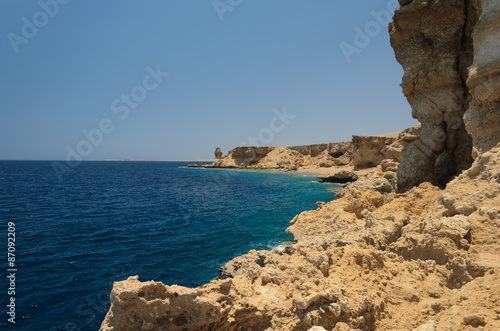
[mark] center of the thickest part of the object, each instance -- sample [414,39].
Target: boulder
[340,177]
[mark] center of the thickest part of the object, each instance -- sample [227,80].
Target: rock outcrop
[482,119]
[450,53]
[218,154]
[361,152]
[340,177]
[368,150]
[291,158]
[427,258]
[432,41]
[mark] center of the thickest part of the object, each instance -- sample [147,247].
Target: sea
[76,233]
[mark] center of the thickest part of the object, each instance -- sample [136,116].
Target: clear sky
[173,79]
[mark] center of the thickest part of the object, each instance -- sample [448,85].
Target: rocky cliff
[437,42]
[370,151]
[290,158]
[482,119]
[361,152]
[424,258]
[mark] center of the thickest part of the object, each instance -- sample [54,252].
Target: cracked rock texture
[450,54]
[432,41]
[483,116]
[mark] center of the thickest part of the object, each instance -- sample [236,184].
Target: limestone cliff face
[361,152]
[483,116]
[450,53]
[243,156]
[368,150]
[432,41]
[291,158]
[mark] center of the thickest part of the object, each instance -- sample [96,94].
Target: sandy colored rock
[432,41]
[218,154]
[317,328]
[287,158]
[368,150]
[458,89]
[475,320]
[483,116]
[362,152]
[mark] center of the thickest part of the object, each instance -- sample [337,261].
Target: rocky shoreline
[340,163]
[371,259]
[412,244]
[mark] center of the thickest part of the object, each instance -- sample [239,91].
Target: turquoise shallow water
[105,221]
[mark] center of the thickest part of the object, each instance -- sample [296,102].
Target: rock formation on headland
[218,154]
[424,258]
[289,158]
[361,152]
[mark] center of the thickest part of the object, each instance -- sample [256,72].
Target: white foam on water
[279,247]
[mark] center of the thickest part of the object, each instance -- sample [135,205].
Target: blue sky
[172,79]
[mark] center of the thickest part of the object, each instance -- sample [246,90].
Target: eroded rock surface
[291,158]
[368,150]
[483,116]
[450,54]
[218,154]
[432,41]
[361,152]
[340,177]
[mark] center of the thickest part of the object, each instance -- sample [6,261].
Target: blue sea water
[105,221]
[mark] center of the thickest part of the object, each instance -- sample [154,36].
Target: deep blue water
[104,221]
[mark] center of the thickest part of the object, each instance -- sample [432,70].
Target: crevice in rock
[468,237]
[336,155]
[261,261]
[465,58]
